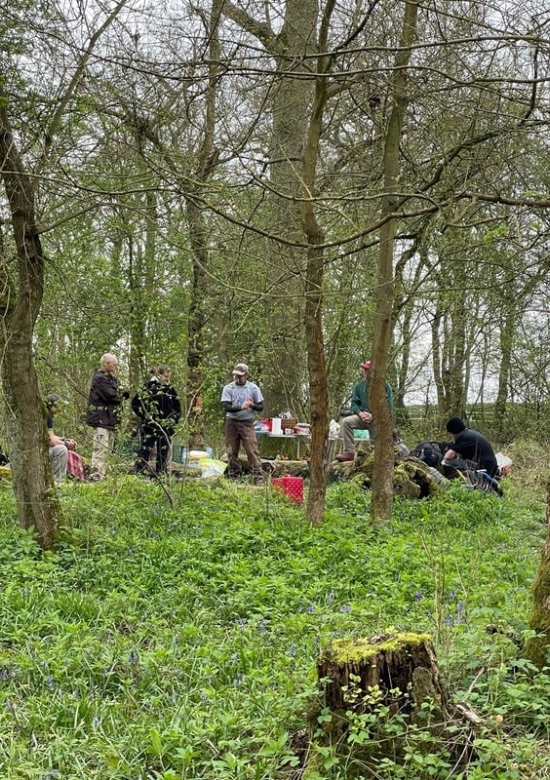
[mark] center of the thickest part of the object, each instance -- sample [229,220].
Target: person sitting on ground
[159,409]
[361,417]
[63,457]
[470,445]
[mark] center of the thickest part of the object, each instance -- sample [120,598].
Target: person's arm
[230,407]
[256,401]
[356,401]
[53,440]
[176,406]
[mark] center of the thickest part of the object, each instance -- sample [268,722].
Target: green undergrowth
[180,642]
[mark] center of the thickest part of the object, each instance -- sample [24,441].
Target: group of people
[158,408]
[466,443]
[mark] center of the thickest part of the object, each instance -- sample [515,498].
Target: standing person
[470,445]
[63,453]
[159,410]
[361,419]
[103,413]
[241,399]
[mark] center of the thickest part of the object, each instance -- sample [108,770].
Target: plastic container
[276,428]
[360,434]
[180,453]
[293,487]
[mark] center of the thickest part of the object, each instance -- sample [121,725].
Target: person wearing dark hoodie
[470,445]
[104,412]
[159,410]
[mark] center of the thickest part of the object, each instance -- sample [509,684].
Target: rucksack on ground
[429,452]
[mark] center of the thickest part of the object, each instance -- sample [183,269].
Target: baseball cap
[366,365]
[240,369]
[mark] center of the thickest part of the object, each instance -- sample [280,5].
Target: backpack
[429,452]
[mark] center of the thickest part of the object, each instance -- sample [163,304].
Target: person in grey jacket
[240,399]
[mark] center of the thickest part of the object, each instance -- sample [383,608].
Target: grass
[180,642]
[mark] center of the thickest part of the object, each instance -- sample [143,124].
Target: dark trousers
[153,436]
[239,432]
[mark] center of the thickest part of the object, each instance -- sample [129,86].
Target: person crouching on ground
[159,409]
[241,399]
[470,445]
[361,419]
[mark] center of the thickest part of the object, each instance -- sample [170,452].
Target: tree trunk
[536,648]
[37,503]
[382,483]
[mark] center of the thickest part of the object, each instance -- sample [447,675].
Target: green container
[359,434]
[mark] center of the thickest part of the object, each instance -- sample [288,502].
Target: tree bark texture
[37,503]
[382,483]
[402,666]
[537,648]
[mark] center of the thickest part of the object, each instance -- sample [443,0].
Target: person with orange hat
[361,417]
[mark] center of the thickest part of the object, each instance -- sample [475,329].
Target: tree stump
[402,667]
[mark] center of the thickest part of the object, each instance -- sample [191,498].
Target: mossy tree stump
[402,667]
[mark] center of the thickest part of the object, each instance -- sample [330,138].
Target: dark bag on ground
[429,452]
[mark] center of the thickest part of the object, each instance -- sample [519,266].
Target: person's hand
[365,417]
[247,403]
[70,444]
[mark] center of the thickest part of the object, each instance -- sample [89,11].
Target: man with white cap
[240,399]
[361,419]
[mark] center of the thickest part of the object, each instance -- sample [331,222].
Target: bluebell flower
[419,595]
[311,609]
[346,608]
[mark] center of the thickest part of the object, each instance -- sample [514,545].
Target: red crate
[293,487]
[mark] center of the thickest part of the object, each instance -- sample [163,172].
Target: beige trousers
[102,443]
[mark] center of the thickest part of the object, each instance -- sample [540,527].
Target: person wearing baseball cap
[361,417]
[240,399]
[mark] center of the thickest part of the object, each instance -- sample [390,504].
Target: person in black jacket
[104,412]
[158,408]
[470,445]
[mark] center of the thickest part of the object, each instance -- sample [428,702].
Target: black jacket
[104,401]
[157,403]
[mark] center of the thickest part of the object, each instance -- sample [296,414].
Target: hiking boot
[345,456]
